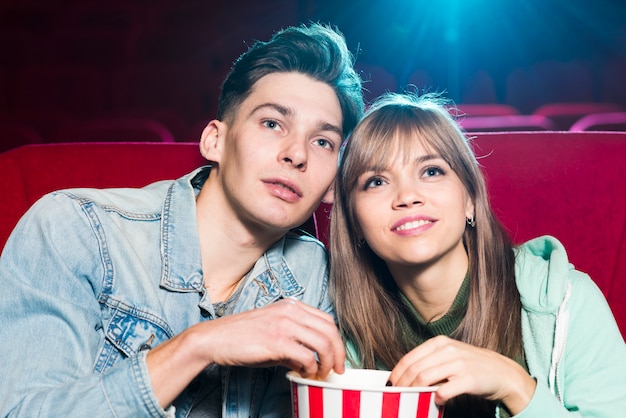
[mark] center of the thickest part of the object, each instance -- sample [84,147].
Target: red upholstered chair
[506,123]
[45,121]
[29,172]
[484,109]
[120,129]
[13,135]
[570,185]
[613,121]
[565,114]
[566,184]
[169,118]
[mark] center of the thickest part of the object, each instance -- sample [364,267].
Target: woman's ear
[212,139]
[470,209]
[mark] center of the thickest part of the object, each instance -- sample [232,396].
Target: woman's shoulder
[544,274]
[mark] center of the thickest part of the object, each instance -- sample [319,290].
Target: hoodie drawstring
[560,339]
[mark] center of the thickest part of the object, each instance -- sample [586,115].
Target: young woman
[427,283]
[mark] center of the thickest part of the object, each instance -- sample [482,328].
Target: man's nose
[295,153]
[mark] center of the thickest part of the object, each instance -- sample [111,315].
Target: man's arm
[287,333]
[51,326]
[51,331]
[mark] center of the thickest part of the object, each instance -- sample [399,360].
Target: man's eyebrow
[332,128]
[283,110]
[287,111]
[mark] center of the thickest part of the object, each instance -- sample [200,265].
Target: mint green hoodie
[572,344]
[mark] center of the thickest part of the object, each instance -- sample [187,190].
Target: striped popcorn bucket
[360,394]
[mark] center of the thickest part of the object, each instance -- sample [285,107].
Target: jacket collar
[180,247]
[180,243]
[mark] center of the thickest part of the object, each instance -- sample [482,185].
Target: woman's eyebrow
[427,157]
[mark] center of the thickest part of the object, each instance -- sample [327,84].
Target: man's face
[279,154]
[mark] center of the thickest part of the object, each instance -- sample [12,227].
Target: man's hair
[317,51]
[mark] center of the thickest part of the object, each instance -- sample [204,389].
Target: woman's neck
[431,289]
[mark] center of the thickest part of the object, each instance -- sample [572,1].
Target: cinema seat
[565,114]
[30,171]
[506,123]
[613,121]
[484,109]
[566,184]
[114,129]
[14,134]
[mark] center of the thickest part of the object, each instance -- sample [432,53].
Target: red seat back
[30,171]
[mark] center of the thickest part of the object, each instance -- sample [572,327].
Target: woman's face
[413,211]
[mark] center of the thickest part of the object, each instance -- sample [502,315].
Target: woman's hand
[460,368]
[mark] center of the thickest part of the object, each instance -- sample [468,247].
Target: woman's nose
[407,195]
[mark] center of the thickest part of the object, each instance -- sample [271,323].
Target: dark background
[76,59]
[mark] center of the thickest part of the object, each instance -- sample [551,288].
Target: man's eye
[324,143]
[272,124]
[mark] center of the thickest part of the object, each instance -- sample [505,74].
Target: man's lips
[284,188]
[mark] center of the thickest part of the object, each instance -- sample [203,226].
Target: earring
[360,243]
[471,222]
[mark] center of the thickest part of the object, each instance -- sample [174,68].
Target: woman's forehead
[401,147]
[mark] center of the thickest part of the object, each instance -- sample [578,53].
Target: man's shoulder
[300,252]
[298,240]
[144,199]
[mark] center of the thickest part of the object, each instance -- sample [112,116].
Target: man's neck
[229,248]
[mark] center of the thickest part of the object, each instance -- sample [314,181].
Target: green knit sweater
[418,330]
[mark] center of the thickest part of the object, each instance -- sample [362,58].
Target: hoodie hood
[542,276]
[541,271]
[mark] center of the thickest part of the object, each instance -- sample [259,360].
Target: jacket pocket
[124,336]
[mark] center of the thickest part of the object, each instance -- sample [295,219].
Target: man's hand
[288,333]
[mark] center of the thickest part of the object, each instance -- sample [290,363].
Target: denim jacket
[92,278]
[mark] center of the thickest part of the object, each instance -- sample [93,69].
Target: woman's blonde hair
[366,297]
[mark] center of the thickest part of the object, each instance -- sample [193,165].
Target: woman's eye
[373,182]
[433,171]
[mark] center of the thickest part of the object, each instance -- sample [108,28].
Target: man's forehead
[291,94]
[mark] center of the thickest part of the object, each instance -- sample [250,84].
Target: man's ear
[212,140]
[329,197]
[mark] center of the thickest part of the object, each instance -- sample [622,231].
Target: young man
[190,297]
